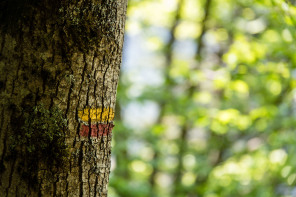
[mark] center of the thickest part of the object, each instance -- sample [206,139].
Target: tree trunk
[59,64]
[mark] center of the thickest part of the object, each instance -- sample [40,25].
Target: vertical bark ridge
[2,44]
[4,142]
[80,162]
[3,168]
[67,185]
[69,95]
[10,176]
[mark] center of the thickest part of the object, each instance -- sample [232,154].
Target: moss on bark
[39,136]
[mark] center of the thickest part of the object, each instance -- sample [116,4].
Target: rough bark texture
[59,64]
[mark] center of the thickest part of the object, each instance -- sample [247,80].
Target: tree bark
[59,64]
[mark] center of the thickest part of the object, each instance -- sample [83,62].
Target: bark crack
[80,161]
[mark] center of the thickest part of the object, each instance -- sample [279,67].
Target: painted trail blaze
[101,121]
[96,114]
[96,130]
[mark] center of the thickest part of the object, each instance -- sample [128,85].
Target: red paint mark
[96,130]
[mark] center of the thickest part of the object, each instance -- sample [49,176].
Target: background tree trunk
[59,64]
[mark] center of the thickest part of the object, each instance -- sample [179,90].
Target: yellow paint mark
[96,114]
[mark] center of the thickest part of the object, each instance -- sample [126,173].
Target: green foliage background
[219,84]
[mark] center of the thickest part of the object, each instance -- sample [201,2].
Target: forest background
[207,100]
